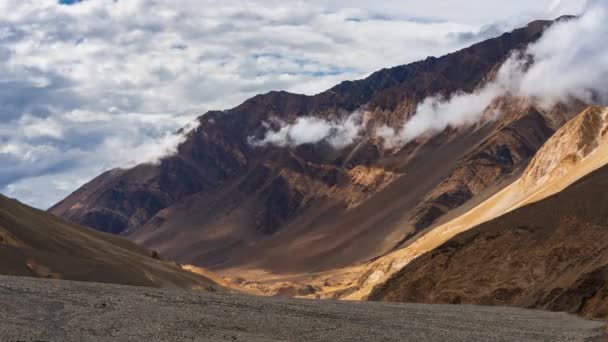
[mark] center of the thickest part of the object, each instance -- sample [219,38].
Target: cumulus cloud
[568,62]
[91,85]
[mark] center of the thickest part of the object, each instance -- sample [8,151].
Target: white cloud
[34,127]
[577,66]
[103,83]
[339,132]
[569,62]
[435,114]
[478,12]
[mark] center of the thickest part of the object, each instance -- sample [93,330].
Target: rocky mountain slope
[550,253]
[230,205]
[574,151]
[37,244]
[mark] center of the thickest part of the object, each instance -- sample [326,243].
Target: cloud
[34,127]
[572,7]
[569,62]
[574,67]
[339,133]
[435,114]
[478,12]
[98,84]
[36,154]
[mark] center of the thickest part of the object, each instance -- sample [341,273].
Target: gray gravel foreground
[58,311]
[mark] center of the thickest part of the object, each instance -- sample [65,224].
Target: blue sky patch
[69,2]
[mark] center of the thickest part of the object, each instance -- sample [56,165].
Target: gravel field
[63,311]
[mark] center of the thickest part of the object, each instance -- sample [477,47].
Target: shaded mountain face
[552,254]
[37,244]
[224,203]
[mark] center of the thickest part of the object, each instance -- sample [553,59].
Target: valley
[67,312]
[462,197]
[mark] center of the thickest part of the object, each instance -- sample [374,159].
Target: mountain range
[507,210]
[224,203]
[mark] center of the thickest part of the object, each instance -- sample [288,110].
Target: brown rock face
[552,254]
[223,203]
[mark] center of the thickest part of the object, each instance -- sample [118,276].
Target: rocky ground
[53,310]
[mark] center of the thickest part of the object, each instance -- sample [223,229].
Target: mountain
[550,252]
[244,209]
[34,243]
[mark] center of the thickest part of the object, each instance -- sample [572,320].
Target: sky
[86,86]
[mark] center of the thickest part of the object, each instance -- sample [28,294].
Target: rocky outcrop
[574,142]
[361,183]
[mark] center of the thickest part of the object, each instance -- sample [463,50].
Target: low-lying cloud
[569,62]
[435,114]
[339,133]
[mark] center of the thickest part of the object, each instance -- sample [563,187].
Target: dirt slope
[37,244]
